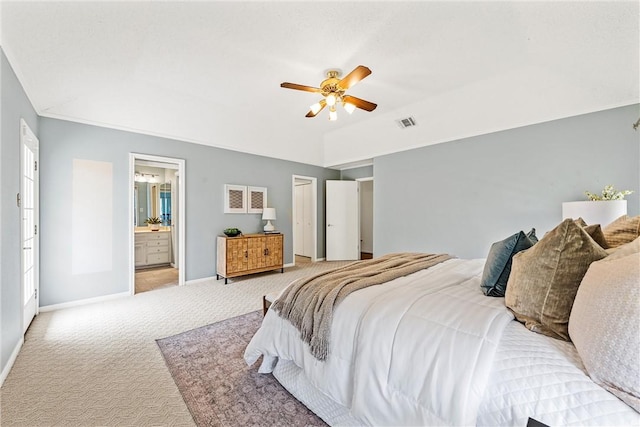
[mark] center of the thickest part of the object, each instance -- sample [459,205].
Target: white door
[29,211]
[343,221]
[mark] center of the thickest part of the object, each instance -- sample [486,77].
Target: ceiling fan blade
[299,87]
[358,73]
[322,103]
[360,103]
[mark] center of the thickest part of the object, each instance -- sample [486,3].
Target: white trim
[11,361]
[314,210]
[291,264]
[353,165]
[365,179]
[54,307]
[201,280]
[162,165]
[320,259]
[181,215]
[179,138]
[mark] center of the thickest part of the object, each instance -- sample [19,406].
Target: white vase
[602,212]
[154,227]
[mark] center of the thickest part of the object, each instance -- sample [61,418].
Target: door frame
[181,215]
[360,180]
[25,134]
[314,215]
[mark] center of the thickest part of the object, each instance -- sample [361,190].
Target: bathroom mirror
[152,199]
[153,192]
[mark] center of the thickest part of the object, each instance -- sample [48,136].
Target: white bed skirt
[294,380]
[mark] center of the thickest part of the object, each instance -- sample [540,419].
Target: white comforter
[415,351]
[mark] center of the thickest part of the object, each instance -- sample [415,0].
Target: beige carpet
[99,364]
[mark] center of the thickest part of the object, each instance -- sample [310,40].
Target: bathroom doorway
[157,227]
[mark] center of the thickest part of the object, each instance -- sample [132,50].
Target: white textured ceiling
[209,72]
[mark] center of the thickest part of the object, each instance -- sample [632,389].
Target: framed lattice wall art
[235,198]
[256,199]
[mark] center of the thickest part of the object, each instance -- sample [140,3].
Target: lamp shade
[602,212]
[268,213]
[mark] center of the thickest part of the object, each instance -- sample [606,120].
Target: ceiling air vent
[406,123]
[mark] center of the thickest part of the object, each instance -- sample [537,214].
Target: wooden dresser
[248,254]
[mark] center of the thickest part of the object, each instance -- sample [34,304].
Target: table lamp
[269,214]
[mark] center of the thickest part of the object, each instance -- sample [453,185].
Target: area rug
[217,385]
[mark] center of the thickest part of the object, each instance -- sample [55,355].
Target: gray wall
[207,170]
[461,196]
[15,106]
[355,173]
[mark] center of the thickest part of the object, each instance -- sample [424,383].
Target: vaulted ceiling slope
[209,72]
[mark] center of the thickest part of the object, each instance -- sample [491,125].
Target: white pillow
[605,325]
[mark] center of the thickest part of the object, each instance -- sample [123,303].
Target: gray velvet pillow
[545,279]
[498,265]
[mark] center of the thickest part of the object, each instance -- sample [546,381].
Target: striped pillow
[623,230]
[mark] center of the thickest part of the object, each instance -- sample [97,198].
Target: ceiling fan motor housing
[330,85]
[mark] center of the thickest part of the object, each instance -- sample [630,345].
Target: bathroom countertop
[147,230]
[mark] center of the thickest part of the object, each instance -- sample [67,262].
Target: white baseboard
[200,280]
[319,259]
[288,265]
[11,361]
[86,301]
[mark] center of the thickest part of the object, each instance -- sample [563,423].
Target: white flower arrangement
[609,193]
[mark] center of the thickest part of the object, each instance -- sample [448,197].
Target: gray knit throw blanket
[308,303]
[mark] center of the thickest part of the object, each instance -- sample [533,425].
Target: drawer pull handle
[246,254]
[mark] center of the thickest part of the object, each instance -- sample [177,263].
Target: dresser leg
[217,276]
[282,270]
[225,280]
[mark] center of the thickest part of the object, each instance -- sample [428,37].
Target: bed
[430,348]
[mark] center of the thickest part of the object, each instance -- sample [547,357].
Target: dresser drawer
[158,258]
[157,235]
[154,243]
[157,249]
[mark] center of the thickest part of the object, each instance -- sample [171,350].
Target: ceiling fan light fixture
[315,108]
[350,108]
[333,91]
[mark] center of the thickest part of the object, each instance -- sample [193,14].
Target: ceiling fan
[333,90]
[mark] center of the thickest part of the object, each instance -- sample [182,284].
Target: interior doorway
[304,212]
[366,217]
[157,226]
